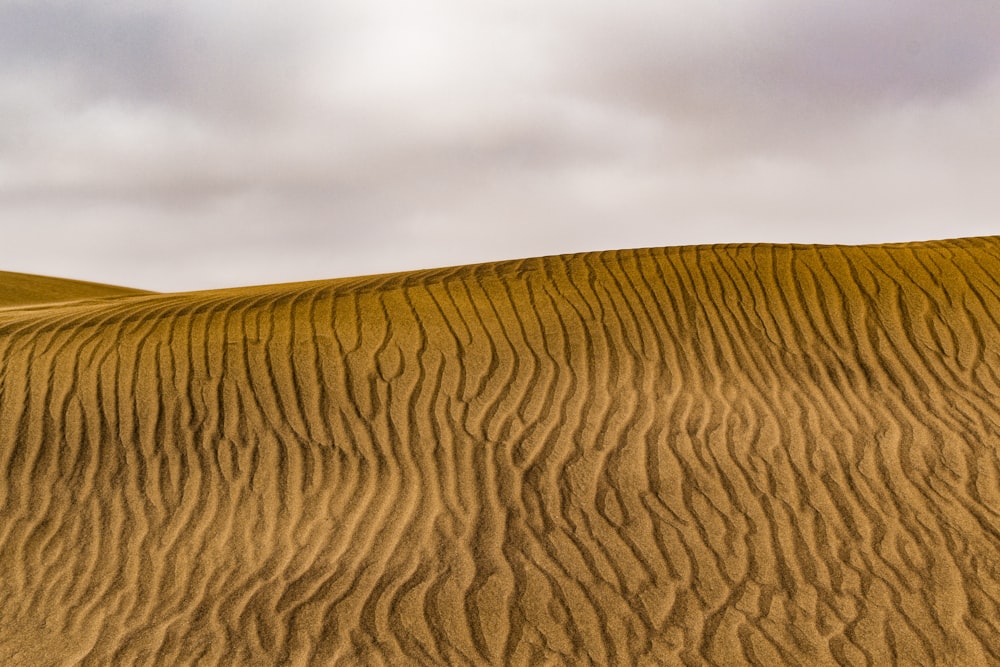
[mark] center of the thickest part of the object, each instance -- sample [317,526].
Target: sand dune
[21,289]
[745,454]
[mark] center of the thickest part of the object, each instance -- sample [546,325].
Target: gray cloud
[786,72]
[220,143]
[112,50]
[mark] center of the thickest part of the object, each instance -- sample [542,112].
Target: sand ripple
[706,455]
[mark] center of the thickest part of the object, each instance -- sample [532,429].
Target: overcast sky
[214,143]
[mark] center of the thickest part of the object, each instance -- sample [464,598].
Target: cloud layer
[191,145]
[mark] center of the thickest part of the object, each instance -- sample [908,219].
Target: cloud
[186,145]
[788,71]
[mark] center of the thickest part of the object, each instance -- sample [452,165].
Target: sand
[21,289]
[709,455]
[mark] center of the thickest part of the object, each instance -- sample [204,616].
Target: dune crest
[743,454]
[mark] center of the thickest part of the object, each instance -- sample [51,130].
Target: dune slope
[21,289]
[723,455]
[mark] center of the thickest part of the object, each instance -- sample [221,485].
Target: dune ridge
[741,454]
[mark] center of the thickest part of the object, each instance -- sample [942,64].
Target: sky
[214,143]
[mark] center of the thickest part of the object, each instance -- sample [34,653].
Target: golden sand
[20,289]
[711,455]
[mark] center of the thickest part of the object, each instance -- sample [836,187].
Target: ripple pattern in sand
[705,455]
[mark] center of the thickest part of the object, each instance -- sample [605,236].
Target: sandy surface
[706,455]
[21,289]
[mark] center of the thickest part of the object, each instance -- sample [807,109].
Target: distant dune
[709,455]
[21,289]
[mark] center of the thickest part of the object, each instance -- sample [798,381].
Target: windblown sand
[712,455]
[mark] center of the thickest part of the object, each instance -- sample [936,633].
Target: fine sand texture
[708,455]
